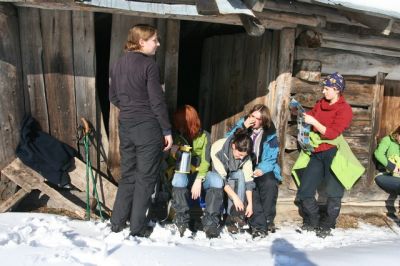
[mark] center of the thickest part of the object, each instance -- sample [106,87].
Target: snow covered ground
[44,239]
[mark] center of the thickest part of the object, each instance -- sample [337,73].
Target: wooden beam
[252,25]
[13,200]
[283,86]
[207,7]
[256,5]
[298,19]
[351,63]
[29,179]
[360,48]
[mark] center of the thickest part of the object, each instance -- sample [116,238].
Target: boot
[323,232]
[181,207]
[333,206]
[231,225]
[258,233]
[310,210]
[210,219]
[146,231]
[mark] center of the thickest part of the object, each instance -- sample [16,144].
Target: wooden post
[375,119]
[11,91]
[171,63]
[283,86]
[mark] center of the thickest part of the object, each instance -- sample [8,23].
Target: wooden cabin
[220,56]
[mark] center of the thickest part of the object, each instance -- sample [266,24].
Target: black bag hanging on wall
[44,153]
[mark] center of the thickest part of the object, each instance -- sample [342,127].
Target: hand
[249,122]
[249,210]
[310,119]
[167,142]
[239,206]
[196,188]
[257,173]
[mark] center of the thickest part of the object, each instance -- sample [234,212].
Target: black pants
[265,196]
[141,152]
[319,172]
[389,183]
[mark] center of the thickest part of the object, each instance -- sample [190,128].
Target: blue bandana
[334,80]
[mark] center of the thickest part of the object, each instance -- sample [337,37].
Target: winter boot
[146,231]
[271,227]
[323,232]
[258,233]
[231,226]
[210,219]
[181,207]
[310,212]
[333,206]
[116,228]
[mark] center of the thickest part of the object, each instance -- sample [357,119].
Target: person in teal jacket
[388,154]
[267,173]
[187,124]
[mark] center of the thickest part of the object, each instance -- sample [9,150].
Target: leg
[389,183]
[214,197]
[267,188]
[148,140]
[180,195]
[126,186]
[309,183]
[237,183]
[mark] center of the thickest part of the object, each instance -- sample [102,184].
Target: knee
[214,180]
[180,180]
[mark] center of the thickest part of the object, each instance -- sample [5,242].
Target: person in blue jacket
[267,173]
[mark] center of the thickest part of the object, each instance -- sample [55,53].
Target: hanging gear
[84,133]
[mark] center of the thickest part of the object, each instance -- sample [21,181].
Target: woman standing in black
[144,128]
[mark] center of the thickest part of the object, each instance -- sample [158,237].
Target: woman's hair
[242,141]
[187,119]
[265,114]
[395,133]
[137,32]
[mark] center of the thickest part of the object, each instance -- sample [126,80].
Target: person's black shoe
[323,232]
[211,231]
[309,228]
[272,228]
[257,233]
[182,228]
[116,228]
[145,232]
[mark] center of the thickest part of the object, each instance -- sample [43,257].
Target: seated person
[388,154]
[232,164]
[188,137]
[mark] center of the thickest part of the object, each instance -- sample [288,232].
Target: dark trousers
[389,183]
[265,196]
[141,152]
[317,172]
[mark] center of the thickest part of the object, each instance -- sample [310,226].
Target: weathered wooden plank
[59,74]
[376,115]
[205,88]
[13,200]
[296,19]
[308,70]
[160,55]
[12,95]
[283,85]
[106,190]
[29,179]
[359,48]
[85,75]
[119,32]
[32,65]
[351,63]
[252,25]
[171,63]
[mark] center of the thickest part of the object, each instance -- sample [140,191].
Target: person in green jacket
[388,154]
[187,124]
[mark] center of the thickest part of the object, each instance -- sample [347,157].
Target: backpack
[44,153]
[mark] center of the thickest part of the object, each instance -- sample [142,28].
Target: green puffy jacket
[388,150]
[345,165]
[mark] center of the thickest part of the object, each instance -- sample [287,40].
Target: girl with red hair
[187,124]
